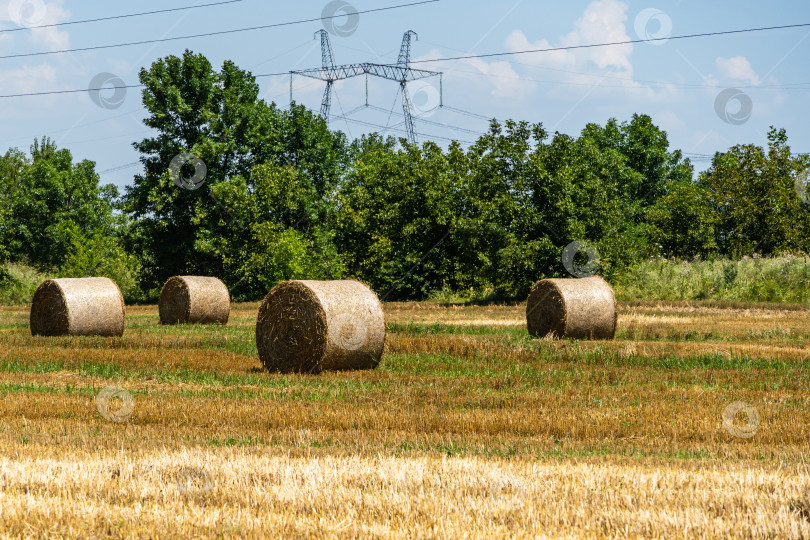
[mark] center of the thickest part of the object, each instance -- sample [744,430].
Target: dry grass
[466,429]
[238,493]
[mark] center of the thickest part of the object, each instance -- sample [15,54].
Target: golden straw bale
[194,299]
[313,326]
[583,308]
[77,307]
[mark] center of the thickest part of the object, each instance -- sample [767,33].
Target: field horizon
[693,422]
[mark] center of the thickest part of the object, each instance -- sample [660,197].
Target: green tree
[99,253]
[753,193]
[278,227]
[682,222]
[49,202]
[501,228]
[578,192]
[596,188]
[498,216]
[218,117]
[12,165]
[396,215]
[646,147]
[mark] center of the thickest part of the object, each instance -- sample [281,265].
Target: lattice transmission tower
[401,72]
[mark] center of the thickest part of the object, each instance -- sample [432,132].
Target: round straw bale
[194,299]
[583,308]
[77,307]
[314,326]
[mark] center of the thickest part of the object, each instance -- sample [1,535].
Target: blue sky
[676,82]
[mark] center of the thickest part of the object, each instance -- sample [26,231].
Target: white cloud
[517,41]
[498,78]
[27,79]
[590,73]
[608,68]
[44,75]
[602,22]
[669,121]
[35,13]
[506,83]
[604,73]
[738,68]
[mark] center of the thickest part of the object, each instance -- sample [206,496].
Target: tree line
[284,197]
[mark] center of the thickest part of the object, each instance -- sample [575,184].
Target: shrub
[18,283]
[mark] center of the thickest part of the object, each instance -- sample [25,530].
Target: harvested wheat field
[693,422]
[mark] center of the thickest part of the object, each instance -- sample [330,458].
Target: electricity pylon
[328,61]
[403,65]
[401,72]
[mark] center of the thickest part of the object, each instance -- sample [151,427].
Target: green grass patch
[240,441]
[417,329]
[776,279]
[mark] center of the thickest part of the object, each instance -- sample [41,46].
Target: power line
[208,34]
[654,85]
[75,91]
[75,126]
[120,167]
[627,42]
[786,86]
[72,91]
[703,157]
[107,138]
[157,11]
[426,121]
[388,120]
[337,98]
[394,128]
[664,84]
[467,113]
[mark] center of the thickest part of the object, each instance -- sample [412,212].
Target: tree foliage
[682,223]
[753,192]
[218,117]
[49,202]
[498,216]
[285,198]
